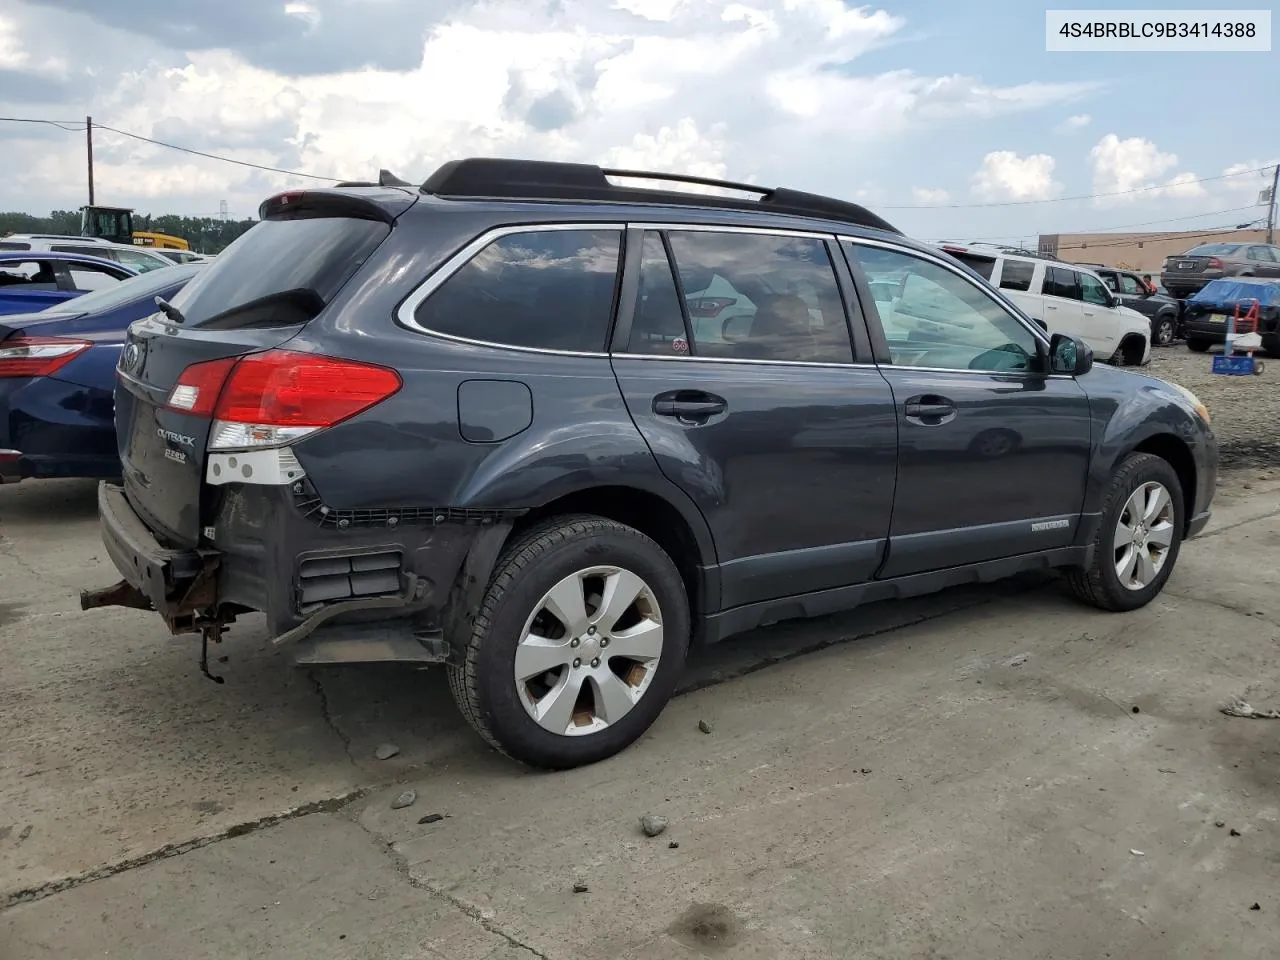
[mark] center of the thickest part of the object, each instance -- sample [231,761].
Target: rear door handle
[929,410]
[692,406]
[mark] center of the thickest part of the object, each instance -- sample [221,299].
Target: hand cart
[1237,359]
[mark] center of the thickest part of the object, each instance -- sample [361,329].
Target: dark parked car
[1208,312]
[1186,273]
[30,282]
[57,375]
[1133,293]
[475,423]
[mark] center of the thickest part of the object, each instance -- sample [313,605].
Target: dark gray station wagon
[549,429]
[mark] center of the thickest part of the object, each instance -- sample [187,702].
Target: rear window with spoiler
[283,271]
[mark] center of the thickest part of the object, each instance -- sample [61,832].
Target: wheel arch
[1174,451]
[684,537]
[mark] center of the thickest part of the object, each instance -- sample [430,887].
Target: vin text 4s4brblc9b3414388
[547,431]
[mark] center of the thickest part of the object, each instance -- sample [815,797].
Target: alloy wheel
[1143,535]
[589,651]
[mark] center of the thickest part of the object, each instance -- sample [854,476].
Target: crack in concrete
[330,720]
[1239,523]
[1250,612]
[471,911]
[31,894]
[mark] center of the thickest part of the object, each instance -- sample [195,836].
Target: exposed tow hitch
[210,630]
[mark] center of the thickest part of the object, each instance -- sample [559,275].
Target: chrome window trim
[408,306]
[1031,328]
[842,366]
[718,228]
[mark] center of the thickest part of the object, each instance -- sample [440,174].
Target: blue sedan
[38,279]
[57,375]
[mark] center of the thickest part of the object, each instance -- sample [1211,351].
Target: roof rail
[498,178]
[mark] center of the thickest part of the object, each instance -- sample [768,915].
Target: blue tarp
[1242,291]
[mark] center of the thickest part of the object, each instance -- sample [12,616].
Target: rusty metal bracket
[123,594]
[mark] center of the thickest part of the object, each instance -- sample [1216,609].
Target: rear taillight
[266,399]
[38,356]
[1214,264]
[197,389]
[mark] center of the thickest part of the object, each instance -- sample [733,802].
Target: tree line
[205,234]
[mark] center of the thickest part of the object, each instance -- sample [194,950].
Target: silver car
[1188,272]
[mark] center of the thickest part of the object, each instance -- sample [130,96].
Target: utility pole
[1271,207]
[88,138]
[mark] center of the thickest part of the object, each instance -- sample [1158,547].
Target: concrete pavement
[921,791]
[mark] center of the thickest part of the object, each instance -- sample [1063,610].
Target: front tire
[578,644]
[1138,539]
[1164,332]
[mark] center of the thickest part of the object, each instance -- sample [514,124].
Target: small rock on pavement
[404,800]
[673,845]
[1235,832]
[1219,823]
[1019,660]
[704,726]
[1256,906]
[1138,853]
[652,824]
[579,887]
[386,751]
[431,818]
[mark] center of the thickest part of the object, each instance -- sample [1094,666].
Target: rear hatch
[1199,259]
[255,296]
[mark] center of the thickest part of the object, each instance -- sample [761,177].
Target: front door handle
[930,410]
[690,406]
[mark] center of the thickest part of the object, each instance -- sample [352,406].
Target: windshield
[280,272]
[126,291]
[1214,250]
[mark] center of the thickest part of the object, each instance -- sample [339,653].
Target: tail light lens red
[38,356]
[268,398]
[1214,263]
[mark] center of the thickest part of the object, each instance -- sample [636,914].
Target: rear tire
[1199,346]
[573,711]
[1142,515]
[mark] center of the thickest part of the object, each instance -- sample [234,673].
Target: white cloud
[765,88]
[1134,168]
[1075,122]
[1006,176]
[1248,176]
[927,195]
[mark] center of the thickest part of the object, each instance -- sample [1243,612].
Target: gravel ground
[1245,410]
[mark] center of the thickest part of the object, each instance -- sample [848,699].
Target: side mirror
[1069,355]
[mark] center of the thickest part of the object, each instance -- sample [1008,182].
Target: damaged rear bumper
[262,551]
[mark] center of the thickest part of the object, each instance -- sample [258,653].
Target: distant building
[1144,252]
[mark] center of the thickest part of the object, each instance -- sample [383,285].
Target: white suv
[1064,298]
[139,258]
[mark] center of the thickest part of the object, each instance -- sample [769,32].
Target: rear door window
[141,262]
[1129,285]
[546,289]
[1061,282]
[1016,275]
[14,245]
[90,276]
[280,273]
[982,266]
[1261,253]
[744,296]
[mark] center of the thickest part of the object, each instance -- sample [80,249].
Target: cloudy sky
[945,116]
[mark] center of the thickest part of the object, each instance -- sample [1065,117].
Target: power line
[79,126]
[212,156]
[76,126]
[1126,226]
[1154,238]
[1083,196]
